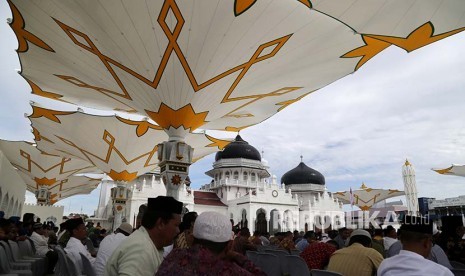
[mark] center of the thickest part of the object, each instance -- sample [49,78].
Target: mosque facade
[243,189]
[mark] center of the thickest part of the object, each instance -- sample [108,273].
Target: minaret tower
[410,187]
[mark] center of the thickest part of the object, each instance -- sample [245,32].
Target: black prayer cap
[72,224]
[417,225]
[164,204]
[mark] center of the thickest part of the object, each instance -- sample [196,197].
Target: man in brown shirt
[358,259]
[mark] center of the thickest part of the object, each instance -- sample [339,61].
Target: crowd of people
[210,244]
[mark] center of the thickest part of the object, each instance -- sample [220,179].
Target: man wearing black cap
[416,238]
[142,252]
[78,232]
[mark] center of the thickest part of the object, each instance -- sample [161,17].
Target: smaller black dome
[302,174]
[238,149]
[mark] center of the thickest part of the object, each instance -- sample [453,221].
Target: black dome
[302,174]
[239,149]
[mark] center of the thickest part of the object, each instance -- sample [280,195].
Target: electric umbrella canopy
[48,175]
[455,169]
[79,187]
[365,197]
[122,148]
[211,64]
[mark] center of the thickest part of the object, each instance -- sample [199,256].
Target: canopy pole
[175,157]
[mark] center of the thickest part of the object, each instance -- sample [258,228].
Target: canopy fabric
[75,185]
[122,148]
[211,64]
[458,170]
[38,168]
[365,197]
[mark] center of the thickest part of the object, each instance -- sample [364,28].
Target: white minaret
[410,187]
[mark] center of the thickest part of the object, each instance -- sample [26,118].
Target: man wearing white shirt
[109,244]
[78,232]
[416,238]
[41,246]
[390,237]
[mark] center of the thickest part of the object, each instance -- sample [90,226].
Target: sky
[360,128]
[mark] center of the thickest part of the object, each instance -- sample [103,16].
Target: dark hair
[379,232]
[215,247]
[332,234]
[151,216]
[388,230]
[333,242]
[363,240]
[309,234]
[245,231]
[409,236]
[187,220]
[342,229]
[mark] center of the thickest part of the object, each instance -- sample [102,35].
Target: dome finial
[407,163]
[301,158]
[363,186]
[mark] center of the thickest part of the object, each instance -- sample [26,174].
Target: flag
[351,197]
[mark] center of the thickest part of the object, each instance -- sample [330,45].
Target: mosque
[242,188]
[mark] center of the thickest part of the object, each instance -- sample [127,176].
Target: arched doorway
[261,224]
[275,224]
[244,223]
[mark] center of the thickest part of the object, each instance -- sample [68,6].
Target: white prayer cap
[360,232]
[213,226]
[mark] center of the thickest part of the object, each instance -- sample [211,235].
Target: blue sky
[358,129]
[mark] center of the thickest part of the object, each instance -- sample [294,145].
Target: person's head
[188,221]
[256,233]
[360,236]
[4,229]
[310,236]
[378,232]
[213,231]
[460,231]
[125,229]
[332,234]
[38,228]
[98,224]
[244,232]
[344,233]
[333,243]
[76,228]
[162,219]
[417,235]
[390,232]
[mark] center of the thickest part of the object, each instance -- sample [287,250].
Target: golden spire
[407,163]
[363,186]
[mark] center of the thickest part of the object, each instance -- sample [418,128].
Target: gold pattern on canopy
[211,64]
[76,185]
[50,173]
[457,170]
[365,197]
[122,148]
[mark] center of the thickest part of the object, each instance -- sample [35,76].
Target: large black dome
[239,149]
[302,174]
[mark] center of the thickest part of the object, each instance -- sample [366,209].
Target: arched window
[253,178]
[236,175]
[245,176]
[227,175]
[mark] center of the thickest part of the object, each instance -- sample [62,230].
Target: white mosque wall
[12,189]
[207,208]
[45,212]
[145,186]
